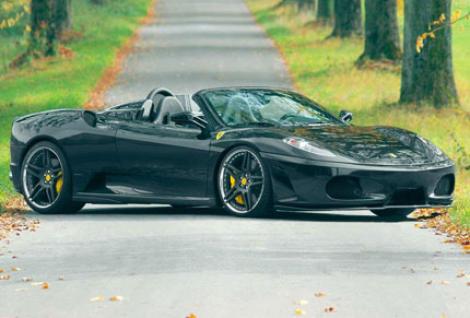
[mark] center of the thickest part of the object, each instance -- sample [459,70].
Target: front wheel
[47,180]
[393,214]
[244,183]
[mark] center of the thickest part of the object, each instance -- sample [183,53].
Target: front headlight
[304,145]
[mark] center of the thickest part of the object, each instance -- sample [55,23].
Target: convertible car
[251,150]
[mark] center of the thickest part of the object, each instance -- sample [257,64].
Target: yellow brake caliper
[59,183]
[238,198]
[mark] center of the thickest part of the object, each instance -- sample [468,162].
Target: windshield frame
[202,95]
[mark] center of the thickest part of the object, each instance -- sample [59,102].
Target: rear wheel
[47,180]
[244,183]
[393,214]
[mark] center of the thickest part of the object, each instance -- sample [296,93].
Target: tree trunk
[324,11]
[45,25]
[427,76]
[39,22]
[381,35]
[348,18]
[63,16]
[52,29]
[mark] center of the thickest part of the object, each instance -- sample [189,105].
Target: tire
[244,183]
[393,214]
[46,180]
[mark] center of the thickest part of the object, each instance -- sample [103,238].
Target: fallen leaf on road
[191,315]
[97,298]
[26,279]
[1,270]
[15,269]
[299,312]
[330,309]
[61,278]
[460,274]
[13,219]
[116,298]
[4,277]
[320,294]
[429,282]
[45,285]
[468,284]
[440,221]
[445,282]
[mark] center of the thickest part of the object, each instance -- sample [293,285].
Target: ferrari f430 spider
[251,150]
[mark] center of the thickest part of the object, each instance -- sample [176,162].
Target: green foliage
[325,71]
[64,82]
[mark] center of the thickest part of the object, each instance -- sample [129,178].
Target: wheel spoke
[34,170]
[57,171]
[52,193]
[247,199]
[234,171]
[246,162]
[36,190]
[256,183]
[232,193]
[46,158]
[49,195]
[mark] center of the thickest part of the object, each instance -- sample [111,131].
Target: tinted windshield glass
[245,107]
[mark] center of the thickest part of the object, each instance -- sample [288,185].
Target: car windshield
[266,107]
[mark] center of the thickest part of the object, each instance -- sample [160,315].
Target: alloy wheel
[42,177]
[241,181]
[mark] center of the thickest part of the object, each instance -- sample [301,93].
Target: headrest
[147,108]
[170,105]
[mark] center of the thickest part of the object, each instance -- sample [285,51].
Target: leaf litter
[440,221]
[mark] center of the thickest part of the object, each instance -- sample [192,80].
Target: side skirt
[111,198]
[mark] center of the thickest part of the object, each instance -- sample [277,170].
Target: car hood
[374,145]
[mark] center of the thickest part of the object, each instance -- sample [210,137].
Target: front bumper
[306,184]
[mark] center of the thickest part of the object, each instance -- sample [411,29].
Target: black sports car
[250,150]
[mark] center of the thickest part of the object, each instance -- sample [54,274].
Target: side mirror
[345,116]
[89,117]
[187,118]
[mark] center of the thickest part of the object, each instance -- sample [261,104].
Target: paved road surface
[168,263]
[198,44]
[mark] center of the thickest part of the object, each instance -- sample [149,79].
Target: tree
[427,72]
[325,11]
[348,18]
[49,19]
[40,17]
[381,31]
[63,16]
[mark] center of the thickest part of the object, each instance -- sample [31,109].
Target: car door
[162,161]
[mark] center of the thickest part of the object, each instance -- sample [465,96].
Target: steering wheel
[286,117]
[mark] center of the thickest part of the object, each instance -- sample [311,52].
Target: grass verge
[324,70]
[69,80]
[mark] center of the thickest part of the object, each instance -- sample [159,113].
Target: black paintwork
[118,159]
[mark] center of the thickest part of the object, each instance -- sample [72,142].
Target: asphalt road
[169,263]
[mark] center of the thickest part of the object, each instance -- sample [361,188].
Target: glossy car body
[115,158]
